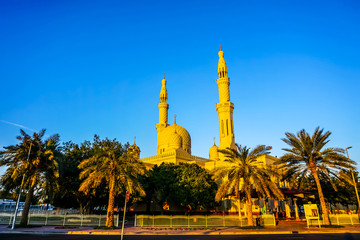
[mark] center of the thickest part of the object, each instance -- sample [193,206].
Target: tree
[113,164]
[243,174]
[68,194]
[194,187]
[159,184]
[186,185]
[40,169]
[306,156]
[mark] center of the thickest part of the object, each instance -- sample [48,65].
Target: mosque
[174,141]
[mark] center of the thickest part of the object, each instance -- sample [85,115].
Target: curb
[33,232]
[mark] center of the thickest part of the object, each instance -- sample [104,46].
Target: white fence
[344,219]
[336,219]
[200,221]
[49,219]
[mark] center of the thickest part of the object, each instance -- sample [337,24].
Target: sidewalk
[283,227]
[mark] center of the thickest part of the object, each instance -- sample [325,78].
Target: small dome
[134,149]
[213,152]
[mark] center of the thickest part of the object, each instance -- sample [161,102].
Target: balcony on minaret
[226,105]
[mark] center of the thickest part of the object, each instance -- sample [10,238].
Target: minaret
[225,108]
[163,113]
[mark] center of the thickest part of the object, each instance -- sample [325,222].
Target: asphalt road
[343,236]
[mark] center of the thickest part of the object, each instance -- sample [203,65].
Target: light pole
[20,190]
[355,183]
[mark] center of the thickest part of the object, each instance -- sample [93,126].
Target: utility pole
[355,183]
[21,186]
[127,197]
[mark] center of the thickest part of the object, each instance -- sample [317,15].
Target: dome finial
[164,75]
[214,137]
[175,123]
[135,140]
[220,47]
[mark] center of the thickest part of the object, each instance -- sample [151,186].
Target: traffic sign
[127,196]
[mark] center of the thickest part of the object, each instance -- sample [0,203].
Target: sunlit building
[174,141]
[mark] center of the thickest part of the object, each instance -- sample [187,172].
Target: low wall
[200,220]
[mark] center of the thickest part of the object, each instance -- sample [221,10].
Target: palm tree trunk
[110,210]
[296,209]
[25,212]
[321,197]
[249,207]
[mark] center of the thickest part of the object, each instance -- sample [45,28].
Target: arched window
[227,127]
[222,127]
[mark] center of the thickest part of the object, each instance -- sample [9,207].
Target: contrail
[18,125]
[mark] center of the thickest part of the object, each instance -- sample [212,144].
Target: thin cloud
[18,125]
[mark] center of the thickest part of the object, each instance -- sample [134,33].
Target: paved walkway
[284,227]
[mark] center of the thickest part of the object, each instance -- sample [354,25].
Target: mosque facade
[174,141]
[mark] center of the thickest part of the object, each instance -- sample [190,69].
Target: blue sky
[80,68]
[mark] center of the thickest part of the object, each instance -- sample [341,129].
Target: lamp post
[355,183]
[20,190]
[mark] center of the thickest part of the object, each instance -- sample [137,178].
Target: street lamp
[20,190]
[355,183]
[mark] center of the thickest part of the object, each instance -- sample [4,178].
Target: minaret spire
[163,111]
[163,107]
[163,92]
[222,68]
[225,107]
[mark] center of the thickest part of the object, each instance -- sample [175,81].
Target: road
[343,236]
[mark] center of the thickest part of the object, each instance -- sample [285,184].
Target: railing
[158,156]
[335,219]
[174,152]
[59,219]
[199,221]
[344,219]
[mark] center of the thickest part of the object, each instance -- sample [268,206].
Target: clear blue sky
[80,68]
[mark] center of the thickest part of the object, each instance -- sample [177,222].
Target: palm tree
[306,156]
[40,169]
[243,174]
[116,166]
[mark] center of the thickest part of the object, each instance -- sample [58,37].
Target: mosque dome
[213,152]
[167,137]
[175,141]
